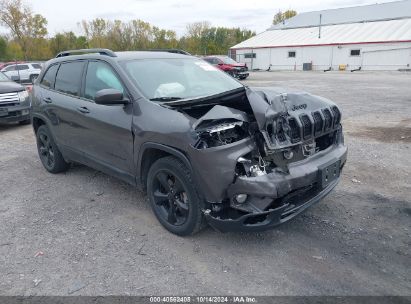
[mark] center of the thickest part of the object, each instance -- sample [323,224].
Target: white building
[370,37]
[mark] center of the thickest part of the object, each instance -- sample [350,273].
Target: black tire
[173,197]
[33,78]
[25,122]
[49,154]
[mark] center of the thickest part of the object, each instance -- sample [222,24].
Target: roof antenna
[319,28]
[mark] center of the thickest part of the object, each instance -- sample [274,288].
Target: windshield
[174,79]
[228,60]
[3,77]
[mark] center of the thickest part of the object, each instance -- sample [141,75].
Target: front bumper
[288,194]
[261,221]
[15,113]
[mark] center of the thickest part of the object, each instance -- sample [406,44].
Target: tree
[26,28]
[202,38]
[66,41]
[3,48]
[281,17]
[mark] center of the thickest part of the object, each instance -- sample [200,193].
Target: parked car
[22,72]
[206,148]
[228,65]
[14,102]
[5,64]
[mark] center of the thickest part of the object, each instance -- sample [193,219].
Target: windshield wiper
[165,98]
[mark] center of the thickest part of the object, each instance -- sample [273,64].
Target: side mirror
[109,97]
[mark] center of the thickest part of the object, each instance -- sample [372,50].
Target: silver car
[23,72]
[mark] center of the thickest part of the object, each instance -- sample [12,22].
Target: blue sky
[175,14]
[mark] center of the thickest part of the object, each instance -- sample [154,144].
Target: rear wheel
[173,196]
[33,78]
[50,155]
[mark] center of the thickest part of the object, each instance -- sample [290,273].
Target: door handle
[83,110]
[47,100]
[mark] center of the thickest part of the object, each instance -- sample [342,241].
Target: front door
[105,134]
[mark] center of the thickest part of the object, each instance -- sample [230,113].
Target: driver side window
[100,76]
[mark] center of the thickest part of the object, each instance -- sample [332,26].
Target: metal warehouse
[370,37]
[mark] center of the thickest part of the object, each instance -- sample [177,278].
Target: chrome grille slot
[307,126]
[318,123]
[9,98]
[328,120]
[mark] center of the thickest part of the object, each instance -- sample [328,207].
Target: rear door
[23,71]
[106,135]
[66,104]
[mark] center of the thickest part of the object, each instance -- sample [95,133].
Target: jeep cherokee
[206,148]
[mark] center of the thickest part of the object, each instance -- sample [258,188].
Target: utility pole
[319,28]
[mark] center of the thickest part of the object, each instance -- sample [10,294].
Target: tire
[173,197]
[49,154]
[33,78]
[25,122]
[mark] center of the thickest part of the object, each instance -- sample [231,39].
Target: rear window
[36,66]
[69,77]
[50,76]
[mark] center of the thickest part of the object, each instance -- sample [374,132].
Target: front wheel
[173,198]
[49,154]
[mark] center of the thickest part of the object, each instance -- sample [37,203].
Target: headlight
[23,95]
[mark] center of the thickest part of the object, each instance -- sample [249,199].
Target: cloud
[176,14]
[117,15]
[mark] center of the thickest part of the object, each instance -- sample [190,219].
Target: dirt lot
[85,233]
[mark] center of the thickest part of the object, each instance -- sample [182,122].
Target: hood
[269,103]
[237,65]
[10,87]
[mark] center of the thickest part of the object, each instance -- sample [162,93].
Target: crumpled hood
[10,87]
[268,103]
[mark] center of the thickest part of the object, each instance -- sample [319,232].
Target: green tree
[3,48]
[203,39]
[27,29]
[281,17]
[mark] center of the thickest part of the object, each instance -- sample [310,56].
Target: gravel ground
[85,233]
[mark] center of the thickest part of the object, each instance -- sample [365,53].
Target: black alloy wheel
[49,153]
[46,151]
[170,198]
[173,196]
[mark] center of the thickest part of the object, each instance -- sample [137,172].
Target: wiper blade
[165,98]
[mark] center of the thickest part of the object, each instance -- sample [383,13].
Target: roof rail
[106,52]
[175,51]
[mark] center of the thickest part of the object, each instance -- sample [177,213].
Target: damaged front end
[262,156]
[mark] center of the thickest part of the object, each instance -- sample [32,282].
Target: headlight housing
[23,95]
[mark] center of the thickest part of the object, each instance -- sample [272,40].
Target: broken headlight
[221,134]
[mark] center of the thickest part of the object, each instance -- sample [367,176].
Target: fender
[171,150]
[46,122]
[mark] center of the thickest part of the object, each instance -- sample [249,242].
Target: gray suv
[206,148]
